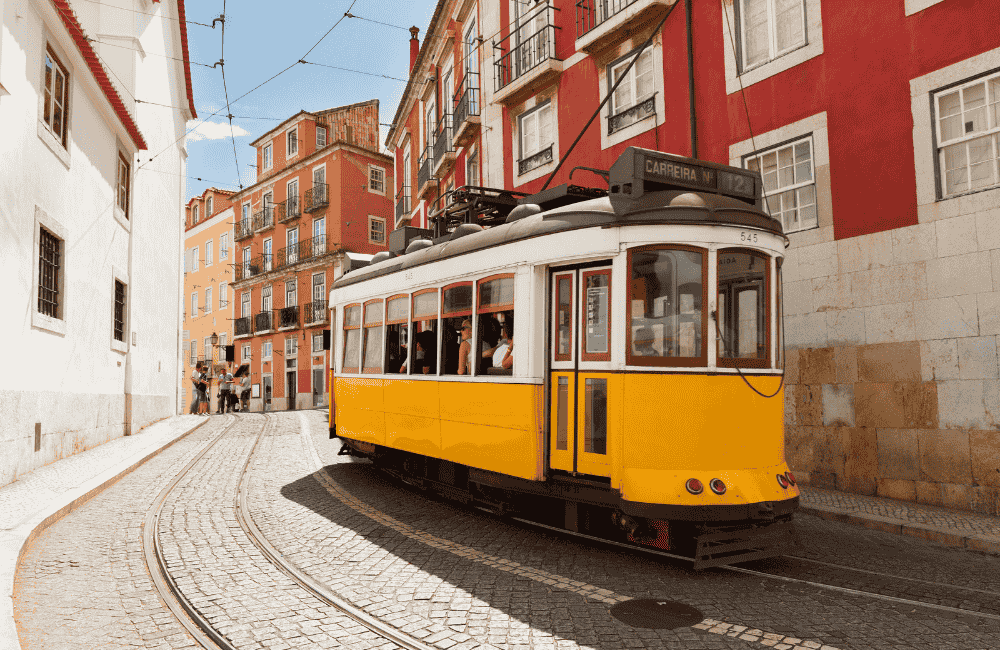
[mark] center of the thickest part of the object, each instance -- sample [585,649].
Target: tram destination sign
[666,170]
[640,170]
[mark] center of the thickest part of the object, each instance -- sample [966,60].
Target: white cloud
[214,131]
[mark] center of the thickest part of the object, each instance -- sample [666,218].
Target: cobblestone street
[446,576]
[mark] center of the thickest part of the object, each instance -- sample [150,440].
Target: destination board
[666,170]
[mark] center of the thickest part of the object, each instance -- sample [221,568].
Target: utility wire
[125,47]
[370,74]
[229,111]
[143,13]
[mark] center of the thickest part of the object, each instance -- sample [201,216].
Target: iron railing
[316,197]
[525,48]
[590,14]
[467,98]
[264,219]
[243,229]
[300,251]
[402,202]
[242,326]
[287,316]
[288,209]
[535,161]
[263,322]
[424,167]
[442,139]
[256,266]
[287,256]
[315,311]
[632,114]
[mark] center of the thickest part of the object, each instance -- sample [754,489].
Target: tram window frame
[482,311]
[765,319]
[584,354]
[669,362]
[453,319]
[379,334]
[415,329]
[393,325]
[779,351]
[569,324]
[351,324]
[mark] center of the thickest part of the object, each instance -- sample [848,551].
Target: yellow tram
[644,396]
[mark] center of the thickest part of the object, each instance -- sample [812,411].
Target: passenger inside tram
[666,303]
[425,355]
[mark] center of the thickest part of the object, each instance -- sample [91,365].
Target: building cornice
[202,226]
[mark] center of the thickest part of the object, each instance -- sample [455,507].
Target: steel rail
[156,565]
[314,587]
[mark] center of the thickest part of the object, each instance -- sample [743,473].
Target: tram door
[581,304]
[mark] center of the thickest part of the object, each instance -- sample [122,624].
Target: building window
[246,213]
[968,135]
[266,155]
[123,183]
[119,310]
[265,299]
[194,304]
[55,109]
[632,101]
[320,136]
[536,138]
[245,305]
[195,253]
[472,170]
[376,230]
[194,213]
[265,348]
[319,287]
[224,246]
[223,295]
[789,183]
[208,300]
[246,353]
[208,208]
[770,28]
[209,252]
[293,142]
[291,294]
[267,255]
[246,261]
[49,263]
[317,342]
[376,179]
[194,352]
[208,350]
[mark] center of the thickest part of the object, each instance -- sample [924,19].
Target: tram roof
[678,207]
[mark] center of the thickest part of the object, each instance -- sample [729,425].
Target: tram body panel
[360,408]
[412,419]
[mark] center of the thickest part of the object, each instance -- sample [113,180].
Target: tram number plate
[748,237]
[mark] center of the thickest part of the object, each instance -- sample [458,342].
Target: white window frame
[61,139]
[373,172]
[118,275]
[209,252]
[737,78]
[247,260]
[267,252]
[208,300]
[266,350]
[196,253]
[223,295]
[292,142]
[630,79]
[194,304]
[267,298]
[321,142]
[991,116]
[317,337]
[534,112]
[209,203]
[321,285]
[773,51]
[626,51]
[57,324]
[246,310]
[123,211]
[194,213]
[245,353]
[372,219]
[776,195]
[267,156]
[246,214]
[291,293]
[224,246]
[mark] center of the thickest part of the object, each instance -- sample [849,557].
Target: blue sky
[262,38]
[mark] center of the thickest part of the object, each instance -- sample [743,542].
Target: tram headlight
[782,481]
[694,486]
[790,477]
[717,486]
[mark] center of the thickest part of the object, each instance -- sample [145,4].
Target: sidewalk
[950,527]
[38,499]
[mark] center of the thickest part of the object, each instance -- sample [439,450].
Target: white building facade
[92,243]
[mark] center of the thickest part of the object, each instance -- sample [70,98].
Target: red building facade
[876,128]
[323,192]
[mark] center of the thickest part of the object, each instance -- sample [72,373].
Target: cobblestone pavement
[83,582]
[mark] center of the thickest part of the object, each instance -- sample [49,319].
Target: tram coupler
[648,532]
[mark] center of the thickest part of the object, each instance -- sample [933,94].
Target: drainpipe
[129,329]
[690,48]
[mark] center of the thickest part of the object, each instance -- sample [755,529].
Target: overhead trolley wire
[229,112]
[370,74]
[165,56]
[144,13]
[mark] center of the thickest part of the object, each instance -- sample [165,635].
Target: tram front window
[743,300]
[422,358]
[667,289]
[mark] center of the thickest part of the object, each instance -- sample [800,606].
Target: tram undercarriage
[708,536]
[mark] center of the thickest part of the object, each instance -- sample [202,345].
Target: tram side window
[496,326]
[781,320]
[666,306]
[422,358]
[352,339]
[397,309]
[373,337]
[743,301]
[456,324]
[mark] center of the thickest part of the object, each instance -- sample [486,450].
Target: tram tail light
[694,486]
[782,481]
[790,477]
[717,486]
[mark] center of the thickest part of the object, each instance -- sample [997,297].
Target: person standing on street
[245,393]
[202,390]
[196,392]
[225,389]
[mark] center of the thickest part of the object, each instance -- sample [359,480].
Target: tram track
[188,614]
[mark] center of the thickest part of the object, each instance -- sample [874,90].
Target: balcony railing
[424,169]
[315,311]
[632,114]
[264,219]
[263,322]
[402,203]
[535,161]
[467,99]
[256,266]
[317,197]
[301,251]
[287,316]
[243,228]
[288,209]
[525,48]
[242,326]
[442,139]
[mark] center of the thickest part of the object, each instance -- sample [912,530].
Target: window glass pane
[565,317]
[496,292]
[496,337]
[994,85]
[596,329]
[373,313]
[755,31]
[785,162]
[562,414]
[397,309]
[956,170]
[352,316]
[644,76]
[352,348]
[373,348]
[595,431]
[770,171]
[742,289]
[666,306]
[425,305]
[458,299]
[803,162]
[788,17]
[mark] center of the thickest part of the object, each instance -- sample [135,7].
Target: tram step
[730,547]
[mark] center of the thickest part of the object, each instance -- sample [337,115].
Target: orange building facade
[209,255]
[323,195]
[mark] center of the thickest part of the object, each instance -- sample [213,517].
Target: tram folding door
[579,379]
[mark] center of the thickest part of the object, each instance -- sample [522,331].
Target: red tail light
[790,477]
[717,486]
[782,481]
[694,486]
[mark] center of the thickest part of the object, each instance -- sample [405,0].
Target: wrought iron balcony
[287,316]
[256,266]
[403,203]
[632,114]
[424,172]
[525,48]
[263,219]
[301,251]
[317,197]
[288,209]
[243,229]
[444,148]
[316,311]
[242,326]
[535,161]
[263,322]
[287,256]
[466,108]
[617,15]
